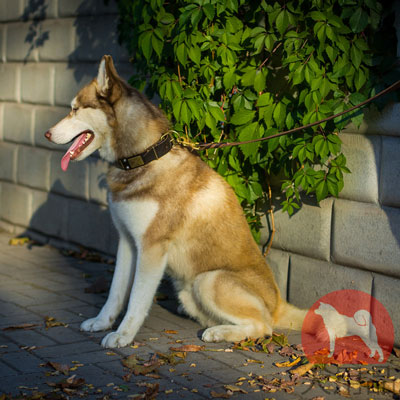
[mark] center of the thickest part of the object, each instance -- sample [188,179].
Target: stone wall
[51,48]
[352,242]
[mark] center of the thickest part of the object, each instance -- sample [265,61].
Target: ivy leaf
[217,113]
[195,54]
[146,44]
[358,20]
[230,78]
[209,10]
[242,117]
[250,132]
[321,190]
[356,56]
[282,21]
[260,81]
[181,53]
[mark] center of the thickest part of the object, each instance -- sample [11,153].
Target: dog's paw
[213,334]
[115,339]
[95,325]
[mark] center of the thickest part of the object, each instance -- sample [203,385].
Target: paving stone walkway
[38,284]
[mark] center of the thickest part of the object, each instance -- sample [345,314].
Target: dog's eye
[75,109]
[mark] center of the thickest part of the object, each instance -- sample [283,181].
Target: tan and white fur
[339,326]
[182,218]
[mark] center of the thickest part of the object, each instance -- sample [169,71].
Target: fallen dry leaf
[18,241]
[216,395]
[393,386]
[69,385]
[234,389]
[287,351]
[171,358]
[396,352]
[63,368]
[133,364]
[288,363]
[302,369]
[51,322]
[100,285]
[170,331]
[188,348]
[21,326]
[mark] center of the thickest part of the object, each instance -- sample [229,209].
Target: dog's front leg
[119,291]
[149,271]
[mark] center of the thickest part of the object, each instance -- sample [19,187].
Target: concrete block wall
[49,50]
[352,242]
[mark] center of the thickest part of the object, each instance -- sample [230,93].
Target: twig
[270,211]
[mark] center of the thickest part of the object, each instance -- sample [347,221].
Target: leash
[165,144]
[216,145]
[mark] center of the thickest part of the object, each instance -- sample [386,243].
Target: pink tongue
[67,157]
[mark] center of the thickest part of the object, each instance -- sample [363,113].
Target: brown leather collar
[154,152]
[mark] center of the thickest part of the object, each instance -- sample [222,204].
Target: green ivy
[235,70]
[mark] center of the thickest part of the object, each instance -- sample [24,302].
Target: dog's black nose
[48,135]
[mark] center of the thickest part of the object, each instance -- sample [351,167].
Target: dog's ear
[108,80]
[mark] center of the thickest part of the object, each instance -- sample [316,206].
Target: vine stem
[270,54]
[271,213]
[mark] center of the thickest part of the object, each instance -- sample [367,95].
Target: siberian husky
[181,216]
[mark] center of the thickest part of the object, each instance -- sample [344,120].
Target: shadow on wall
[74,221]
[95,33]
[35,11]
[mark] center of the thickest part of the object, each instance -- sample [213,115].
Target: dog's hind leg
[191,308]
[119,292]
[226,299]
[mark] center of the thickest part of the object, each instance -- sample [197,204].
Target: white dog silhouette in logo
[339,326]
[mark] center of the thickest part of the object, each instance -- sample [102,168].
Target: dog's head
[100,112]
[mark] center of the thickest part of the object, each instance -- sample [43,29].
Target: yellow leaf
[18,241]
[289,363]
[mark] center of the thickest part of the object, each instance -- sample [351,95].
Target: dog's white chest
[135,216]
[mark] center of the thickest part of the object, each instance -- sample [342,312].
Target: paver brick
[6,371]
[29,338]
[61,350]
[22,361]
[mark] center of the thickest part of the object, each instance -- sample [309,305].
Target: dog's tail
[289,316]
